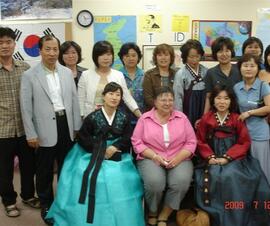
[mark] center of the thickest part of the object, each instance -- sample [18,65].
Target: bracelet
[229,158]
[211,157]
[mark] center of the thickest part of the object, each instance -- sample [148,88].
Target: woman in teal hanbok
[99,185]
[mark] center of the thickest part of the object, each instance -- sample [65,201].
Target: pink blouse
[148,133]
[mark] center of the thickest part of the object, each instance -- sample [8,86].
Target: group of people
[90,120]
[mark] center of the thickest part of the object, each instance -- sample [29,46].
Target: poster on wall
[180,23]
[263,25]
[27,38]
[150,23]
[176,34]
[117,30]
[35,9]
[206,31]
[147,61]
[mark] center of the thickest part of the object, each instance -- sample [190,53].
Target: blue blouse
[247,100]
[135,88]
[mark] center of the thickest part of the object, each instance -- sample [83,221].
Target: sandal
[12,211]
[152,218]
[162,221]
[32,202]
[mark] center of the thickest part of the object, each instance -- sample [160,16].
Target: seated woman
[232,187]
[164,141]
[101,159]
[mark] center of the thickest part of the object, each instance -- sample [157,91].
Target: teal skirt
[119,193]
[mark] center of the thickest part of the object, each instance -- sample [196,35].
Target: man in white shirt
[51,115]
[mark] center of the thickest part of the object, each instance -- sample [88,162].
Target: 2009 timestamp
[232,205]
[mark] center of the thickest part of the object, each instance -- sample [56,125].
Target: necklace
[222,121]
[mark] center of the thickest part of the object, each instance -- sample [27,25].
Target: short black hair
[221,42]
[217,90]
[100,48]
[65,47]
[191,44]
[8,32]
[247,57]
[112,87]
[162,90]
[47,38]
[266,54]
[126,47]
[250,41]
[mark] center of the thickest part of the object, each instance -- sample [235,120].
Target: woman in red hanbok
[231,186]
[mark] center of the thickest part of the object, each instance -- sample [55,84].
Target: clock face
[85,18]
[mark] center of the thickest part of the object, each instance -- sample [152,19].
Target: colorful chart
[207,31]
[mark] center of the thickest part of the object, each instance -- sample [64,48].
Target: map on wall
[262,30]
[117,30]
[207,31]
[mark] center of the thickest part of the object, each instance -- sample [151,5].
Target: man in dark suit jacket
[50,112]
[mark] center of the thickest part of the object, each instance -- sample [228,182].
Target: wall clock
[85,18]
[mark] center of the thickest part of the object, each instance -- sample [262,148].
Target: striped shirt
[10,115]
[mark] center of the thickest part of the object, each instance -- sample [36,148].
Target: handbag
[192,217]
[260,102]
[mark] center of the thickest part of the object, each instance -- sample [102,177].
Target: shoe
[12,211]
[44,211]
[163,222]
[32,202]
[151,220]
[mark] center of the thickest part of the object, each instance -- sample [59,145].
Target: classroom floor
[29,216]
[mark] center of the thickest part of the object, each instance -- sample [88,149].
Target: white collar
[222,120]
[109,120]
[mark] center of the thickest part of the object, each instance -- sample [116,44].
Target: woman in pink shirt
[164,141]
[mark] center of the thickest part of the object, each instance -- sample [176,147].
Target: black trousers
[9,148]
[45,158]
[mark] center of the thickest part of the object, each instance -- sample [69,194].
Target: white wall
[196,9]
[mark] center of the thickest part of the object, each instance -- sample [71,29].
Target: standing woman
[130,55]
[189,87]
[92,82]
[70,56]
[264,74]
[253,97]
[225,73]
[161,75]
[253,46]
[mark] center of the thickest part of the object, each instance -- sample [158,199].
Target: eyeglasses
[165,100]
